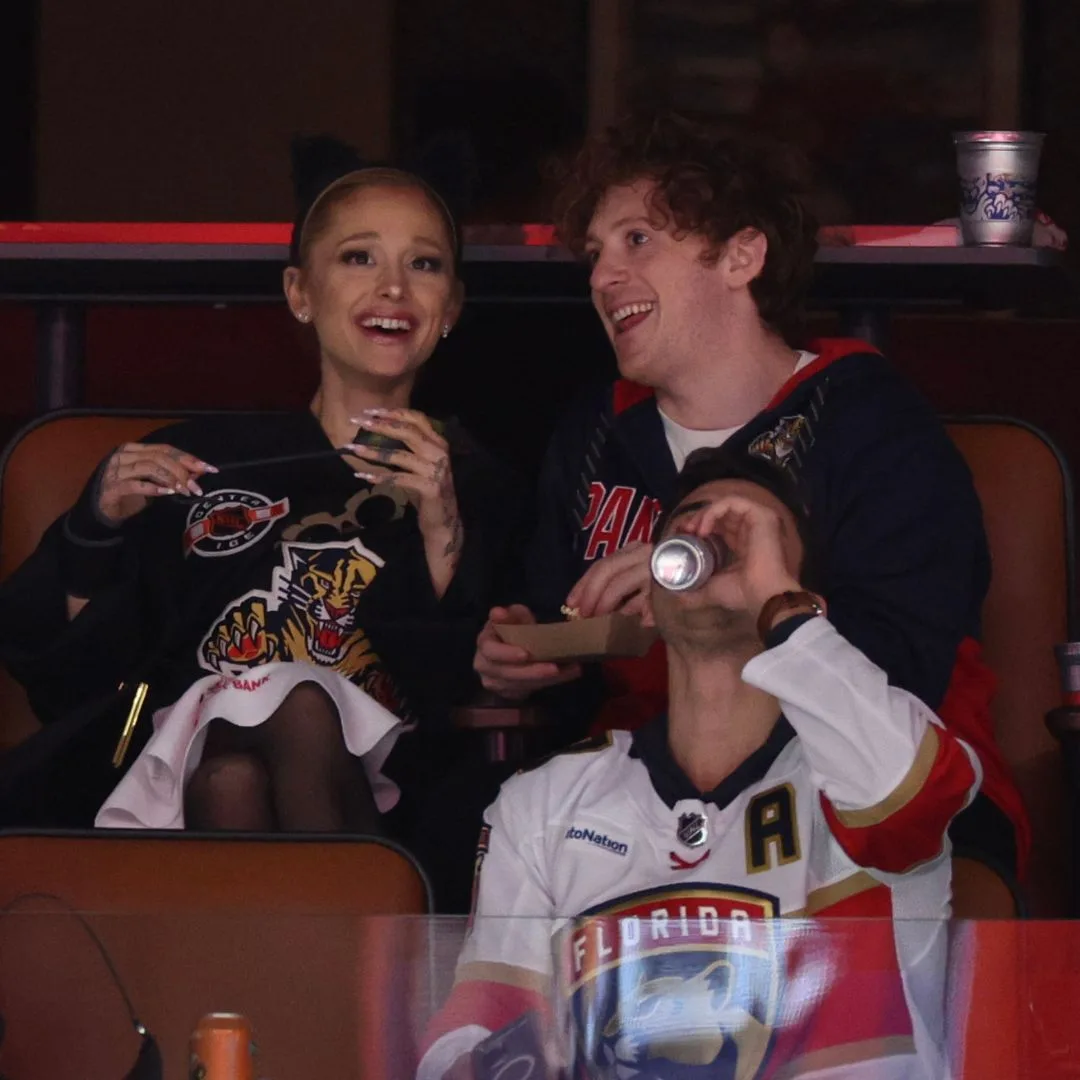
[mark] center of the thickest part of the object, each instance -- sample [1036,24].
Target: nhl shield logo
[693,829]
[674,984]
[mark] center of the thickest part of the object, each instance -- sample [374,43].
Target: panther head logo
[319,587]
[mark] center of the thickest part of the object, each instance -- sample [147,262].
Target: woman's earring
[303,316]
[445,330]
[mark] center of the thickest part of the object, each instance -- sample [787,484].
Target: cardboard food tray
[581,639]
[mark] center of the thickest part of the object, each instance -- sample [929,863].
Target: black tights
[291,773]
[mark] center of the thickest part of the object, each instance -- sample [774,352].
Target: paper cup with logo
[998,173]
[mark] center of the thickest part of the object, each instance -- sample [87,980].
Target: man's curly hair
[709,184]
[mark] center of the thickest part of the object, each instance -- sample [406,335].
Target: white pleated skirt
[151,794]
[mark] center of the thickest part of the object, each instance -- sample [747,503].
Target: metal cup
[1068,658]
[998,172]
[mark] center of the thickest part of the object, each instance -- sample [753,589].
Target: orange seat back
[308,938]
[1025,492]
[44,468]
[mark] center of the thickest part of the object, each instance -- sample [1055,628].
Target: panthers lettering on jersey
[656,918]
[609,512]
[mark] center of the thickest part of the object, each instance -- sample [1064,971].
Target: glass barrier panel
[693,991]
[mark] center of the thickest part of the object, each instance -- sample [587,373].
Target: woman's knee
[310,697]
[229,791]
[307,718]
[230,776]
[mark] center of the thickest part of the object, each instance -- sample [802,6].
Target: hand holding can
[684,562]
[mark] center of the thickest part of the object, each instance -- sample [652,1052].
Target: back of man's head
[705,183]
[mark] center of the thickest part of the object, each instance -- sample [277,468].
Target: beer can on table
[683,562]
[222,1048]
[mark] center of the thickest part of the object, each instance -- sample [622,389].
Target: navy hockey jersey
[901,550]
[288,560]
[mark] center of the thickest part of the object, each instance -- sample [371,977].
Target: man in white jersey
[648,870]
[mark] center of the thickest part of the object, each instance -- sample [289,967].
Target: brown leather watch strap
[787,601]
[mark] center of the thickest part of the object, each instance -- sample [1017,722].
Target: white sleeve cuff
[445,1050]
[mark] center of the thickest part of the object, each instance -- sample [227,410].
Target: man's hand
[764,549]
[509,670]
[618,582]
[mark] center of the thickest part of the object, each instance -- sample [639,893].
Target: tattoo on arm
[457,539]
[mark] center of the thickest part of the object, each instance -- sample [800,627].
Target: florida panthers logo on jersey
[226,522]
[778,444]
[674,984]
[308,614]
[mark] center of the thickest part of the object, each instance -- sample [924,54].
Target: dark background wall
[152,110]
[127,109]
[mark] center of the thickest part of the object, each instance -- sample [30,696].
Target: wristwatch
[787,601]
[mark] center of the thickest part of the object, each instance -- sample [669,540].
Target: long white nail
[209,468]
[366,476]
[167,491]
[194,488]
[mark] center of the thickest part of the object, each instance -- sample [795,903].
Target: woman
[294,590]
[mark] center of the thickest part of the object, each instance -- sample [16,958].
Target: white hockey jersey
[650,915]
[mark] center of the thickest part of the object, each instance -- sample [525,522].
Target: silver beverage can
[682,562]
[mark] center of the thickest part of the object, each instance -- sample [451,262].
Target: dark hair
[723,463]
[708,184]
[326,171]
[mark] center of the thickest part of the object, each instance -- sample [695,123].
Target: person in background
[701,254]
[285,595]
[635,878]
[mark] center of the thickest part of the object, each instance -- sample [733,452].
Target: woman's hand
[138,472]
[422,469]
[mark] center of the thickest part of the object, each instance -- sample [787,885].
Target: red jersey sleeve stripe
[908,827]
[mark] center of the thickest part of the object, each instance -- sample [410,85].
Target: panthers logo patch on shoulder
[229,521]
[778,444]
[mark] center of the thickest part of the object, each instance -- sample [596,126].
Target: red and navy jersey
[652,915]
[900,547]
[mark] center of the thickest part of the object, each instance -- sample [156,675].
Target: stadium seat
[41,474]
[297,934]
[1026,494]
